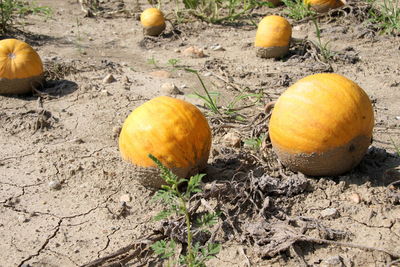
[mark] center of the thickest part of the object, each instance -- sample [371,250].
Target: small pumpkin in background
[20,67]
[273,37]
[153,21]
[174,131]
[322,125]
[322,6]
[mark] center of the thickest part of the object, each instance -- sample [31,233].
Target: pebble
[109,79]
[397,117]
[170,89]
[161,74]
[54,185]
[232,139]
[354,197]
[23,219]
[217,48]
[104,93]
[193,51]
[329,213]
[125,198]
[335,261]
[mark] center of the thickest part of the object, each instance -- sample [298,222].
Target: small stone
[335,261]
[193,51]
[232,139]
[329,213]
[104,93]
[161,74]
[217,48]
[354,197]
[177,50]
[207,74]
[125,198]
[170,89]
[109,79]
[23,219]
[398,118]
[55,185]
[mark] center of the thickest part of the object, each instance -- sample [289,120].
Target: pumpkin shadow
[33,39]
[59,88]
[377,167]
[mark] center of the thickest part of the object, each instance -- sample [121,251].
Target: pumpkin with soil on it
[153,21]
[273,37]
[322,125]
[322,6]
[20,67]
[174,131]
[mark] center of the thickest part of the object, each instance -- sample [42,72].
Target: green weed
[396,147]
[12,10]
[218,11]
[324,50]
[297,10]
[255,142]
[211,100]
[177,203]
[386,15]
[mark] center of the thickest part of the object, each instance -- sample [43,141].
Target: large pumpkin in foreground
[273,37]
[20,67]
[322,125]
[324,5]
[174,131]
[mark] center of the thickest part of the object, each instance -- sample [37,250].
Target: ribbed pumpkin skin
[273,36]
[324,5]
[153,21]
[322,125]
[173,130]
[20,66]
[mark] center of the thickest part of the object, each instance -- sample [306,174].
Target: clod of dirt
[329,213]
[170,89]
[232,139]
[335,261]
[125,198]
[193,51]
[109,79]
[355,198]
[161,74]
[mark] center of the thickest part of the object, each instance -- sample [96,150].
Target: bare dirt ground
[62,180]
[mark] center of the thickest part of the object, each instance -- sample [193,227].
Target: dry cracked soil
[66,196]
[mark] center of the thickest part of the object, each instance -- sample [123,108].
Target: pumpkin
[174,131]
[273,37]
[20,67]
[153,21]
[324,5]
[322,125]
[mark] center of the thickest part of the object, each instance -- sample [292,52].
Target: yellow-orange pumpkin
[322,125]
[20,67]
[173,130]
[153,21]
[324,5]
[273,37]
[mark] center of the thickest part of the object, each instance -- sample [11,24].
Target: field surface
[67,198]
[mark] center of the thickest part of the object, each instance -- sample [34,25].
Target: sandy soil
[61,176]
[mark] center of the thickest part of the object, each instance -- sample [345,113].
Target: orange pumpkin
[273,37]
[322,125]
[324,5]
[20,67]
[173,130]
[153,21]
